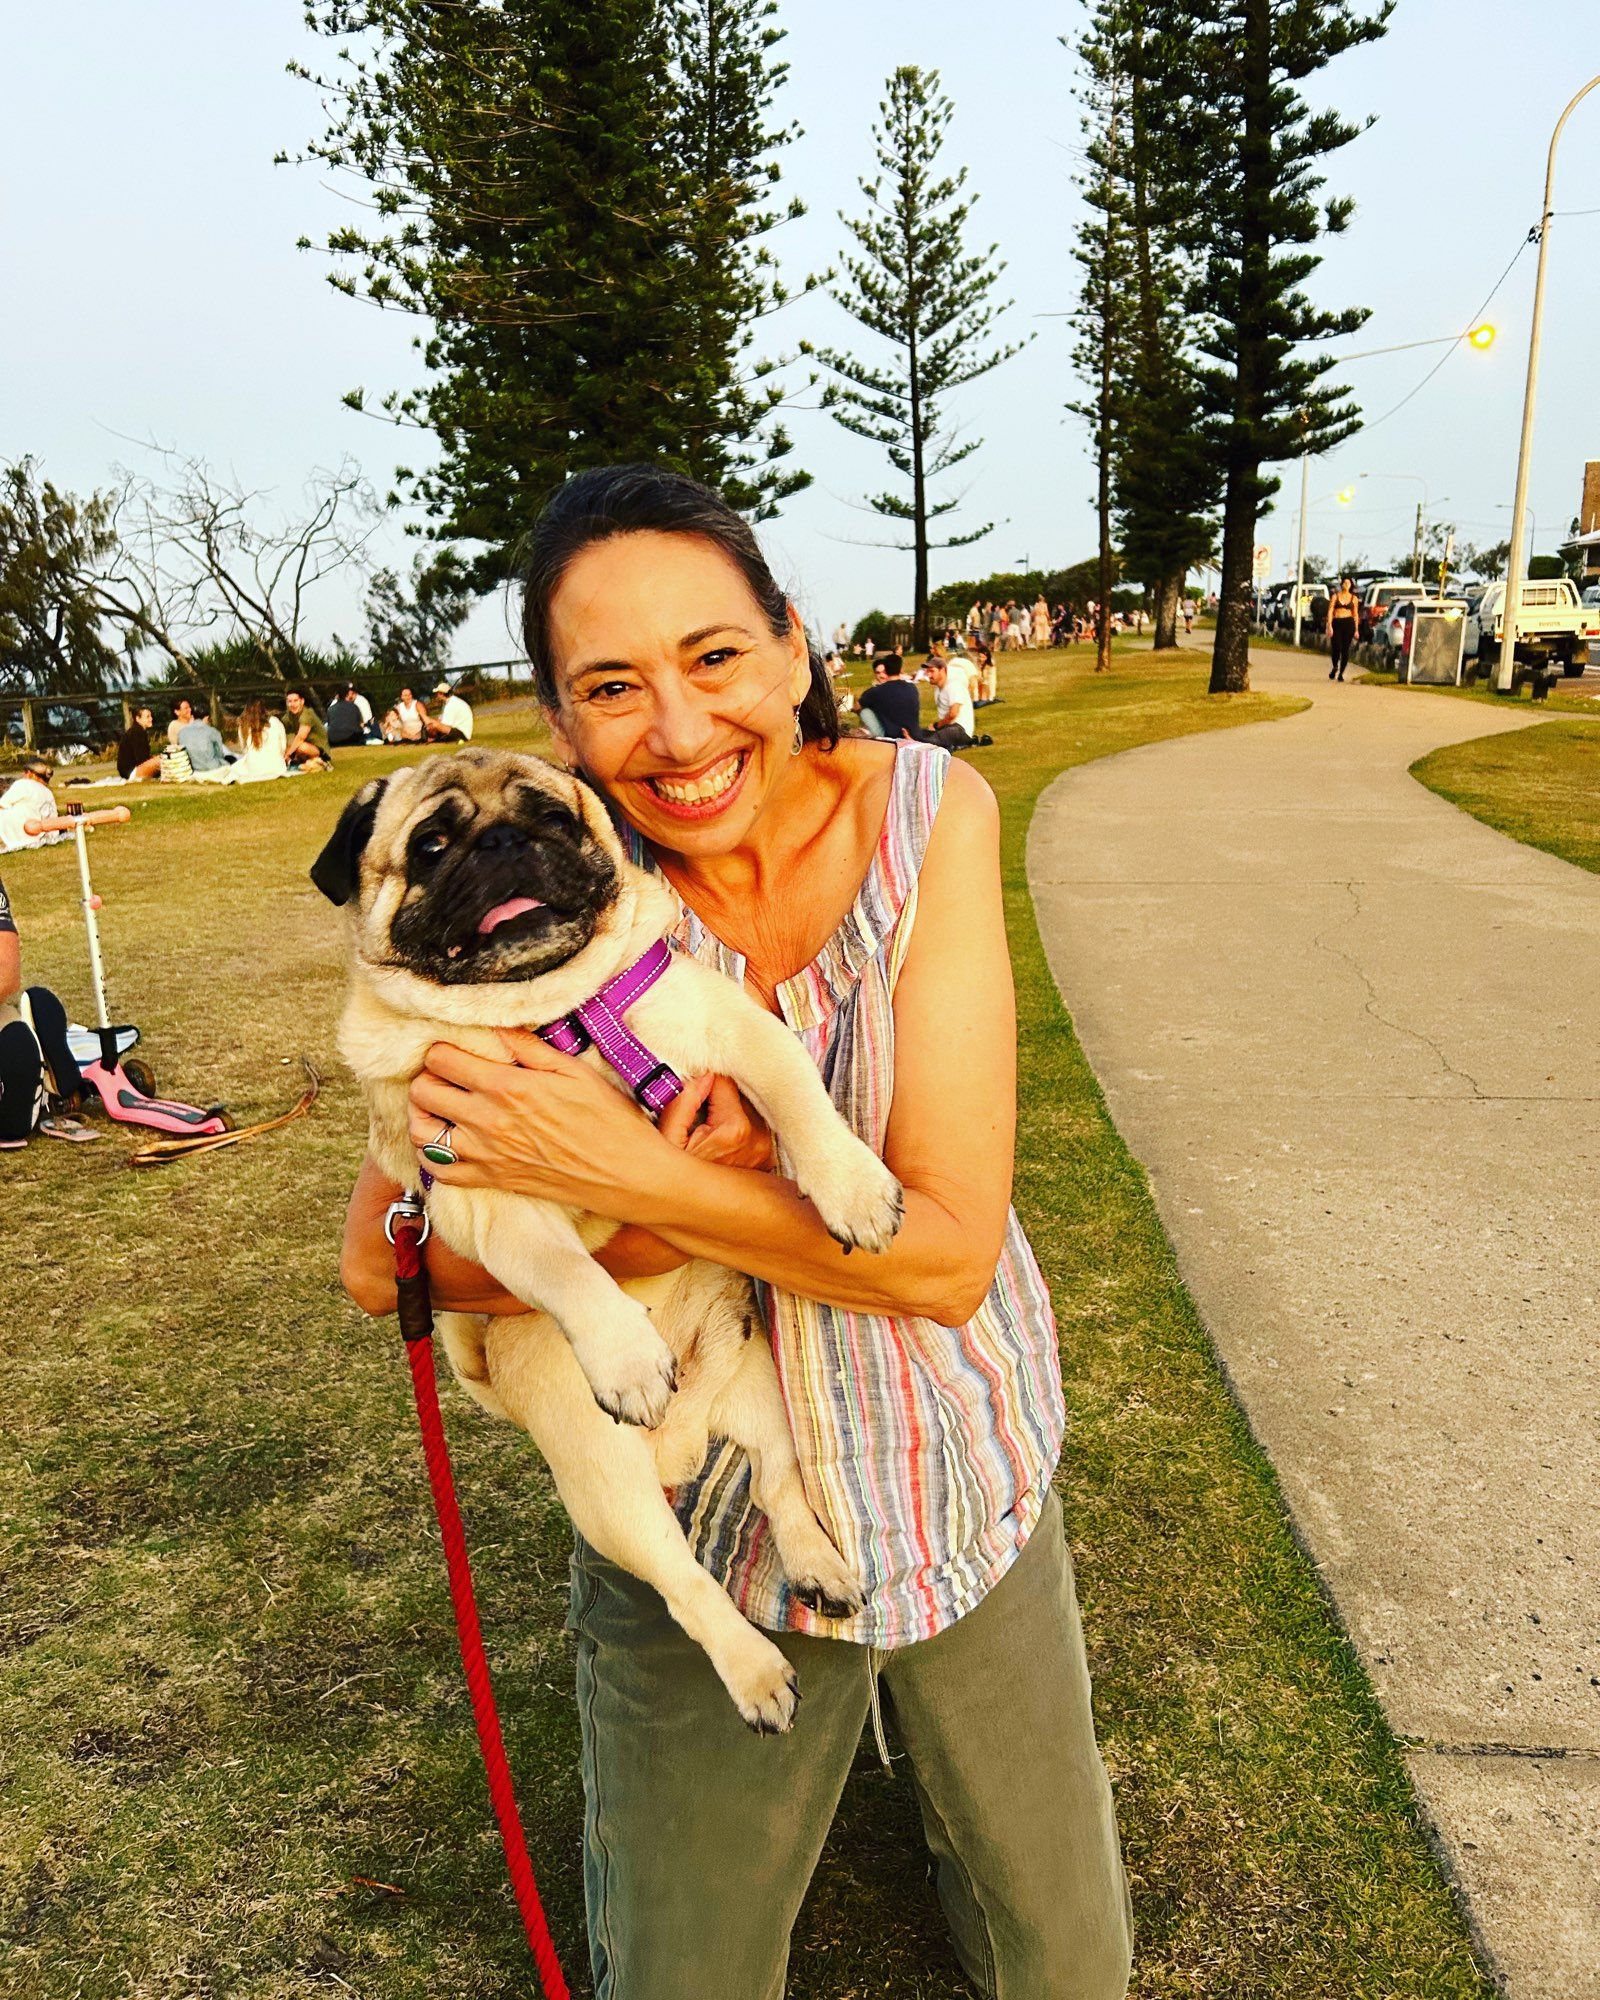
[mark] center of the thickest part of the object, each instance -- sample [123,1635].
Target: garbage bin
[1437,634]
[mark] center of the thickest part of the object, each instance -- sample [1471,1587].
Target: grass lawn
[1540,785]
[235,1754]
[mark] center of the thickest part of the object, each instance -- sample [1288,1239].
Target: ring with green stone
[438,1150]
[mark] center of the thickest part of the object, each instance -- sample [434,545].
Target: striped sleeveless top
[927,1451]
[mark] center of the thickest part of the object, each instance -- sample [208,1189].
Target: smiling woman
[854,888]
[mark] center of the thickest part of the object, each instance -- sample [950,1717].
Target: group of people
[1013,627]
[962,683]
[272,746]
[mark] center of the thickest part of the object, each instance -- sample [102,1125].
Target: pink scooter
[125,1087]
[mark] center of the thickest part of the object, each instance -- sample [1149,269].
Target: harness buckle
[650,1079]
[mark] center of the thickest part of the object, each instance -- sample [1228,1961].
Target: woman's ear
[560,741]
[800,660]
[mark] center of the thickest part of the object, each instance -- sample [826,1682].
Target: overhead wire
[1531,237]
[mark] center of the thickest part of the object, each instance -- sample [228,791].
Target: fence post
[214,707]
[127,713]
[30,740]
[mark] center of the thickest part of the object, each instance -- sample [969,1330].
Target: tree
[408,633]
[917,289]
[213,554]
[72,578]
[52,635]
[1226,97]
[1167,477]
[573,201]
[1104,322]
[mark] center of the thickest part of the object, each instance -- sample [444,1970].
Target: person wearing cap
[453,723]
[25,798]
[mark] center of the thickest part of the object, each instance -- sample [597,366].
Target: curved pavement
[1354,1037]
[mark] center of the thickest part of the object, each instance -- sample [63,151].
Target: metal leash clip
[408,1208]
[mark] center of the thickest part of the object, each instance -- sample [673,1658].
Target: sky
[153,290]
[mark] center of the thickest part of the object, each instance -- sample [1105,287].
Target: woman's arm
[552,1129]
[709,1120]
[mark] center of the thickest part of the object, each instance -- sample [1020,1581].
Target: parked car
[1391,636]
[1555,628]
[1380,599]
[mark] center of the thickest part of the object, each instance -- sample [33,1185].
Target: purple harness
[598,1024]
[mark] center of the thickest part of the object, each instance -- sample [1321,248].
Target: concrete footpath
[1354,1037]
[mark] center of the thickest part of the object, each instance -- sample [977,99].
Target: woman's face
[674,694]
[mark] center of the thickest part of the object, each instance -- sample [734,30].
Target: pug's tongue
[502,913]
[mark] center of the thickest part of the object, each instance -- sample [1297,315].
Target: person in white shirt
[263,747]
[453,723]
[411,718]
[955,726]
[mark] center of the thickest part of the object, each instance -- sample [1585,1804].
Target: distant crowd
[1013,627]
[266,745]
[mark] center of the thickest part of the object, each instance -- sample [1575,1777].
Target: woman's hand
[545,1125]
[713,1122]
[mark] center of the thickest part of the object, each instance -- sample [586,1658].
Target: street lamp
[1504,674]
[1478,338]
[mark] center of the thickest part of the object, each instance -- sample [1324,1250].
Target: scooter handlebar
[110,816]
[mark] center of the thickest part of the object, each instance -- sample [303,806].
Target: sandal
[72,1129]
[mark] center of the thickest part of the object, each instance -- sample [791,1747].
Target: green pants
[700,1838]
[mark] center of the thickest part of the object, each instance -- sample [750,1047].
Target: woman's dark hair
[646,499]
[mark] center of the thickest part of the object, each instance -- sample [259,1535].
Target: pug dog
[488,890]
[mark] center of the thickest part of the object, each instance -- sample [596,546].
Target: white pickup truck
[1554,627]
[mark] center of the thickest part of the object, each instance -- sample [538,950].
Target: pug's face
[481,868]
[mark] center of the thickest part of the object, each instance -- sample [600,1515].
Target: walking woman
[854,886]
[1344,619]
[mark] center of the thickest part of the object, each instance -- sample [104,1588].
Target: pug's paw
[761,1681]
[631,1371]
[859,1200]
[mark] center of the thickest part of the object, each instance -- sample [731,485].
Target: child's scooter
[125,1087]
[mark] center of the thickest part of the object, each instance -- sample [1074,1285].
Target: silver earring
[799,742]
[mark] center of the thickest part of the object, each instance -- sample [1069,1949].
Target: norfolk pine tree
[1103,320]
[571,200]
[1231,105]
[915,288]
[1167,476]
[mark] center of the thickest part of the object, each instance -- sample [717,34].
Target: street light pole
[1300,551]
[1512,603]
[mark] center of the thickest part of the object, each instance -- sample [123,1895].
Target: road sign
[1263,561]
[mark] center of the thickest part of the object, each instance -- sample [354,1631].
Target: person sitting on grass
[182,715]
[262,746]
[308,739]
[136,761]
[955,726]
[410,717]
[33,1033]
[26,798]
[453,723]
[201,741]
[890,706]
[345,726]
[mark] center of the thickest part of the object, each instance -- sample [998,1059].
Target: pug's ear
[337,869]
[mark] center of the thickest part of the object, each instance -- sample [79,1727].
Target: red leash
[407,1229]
